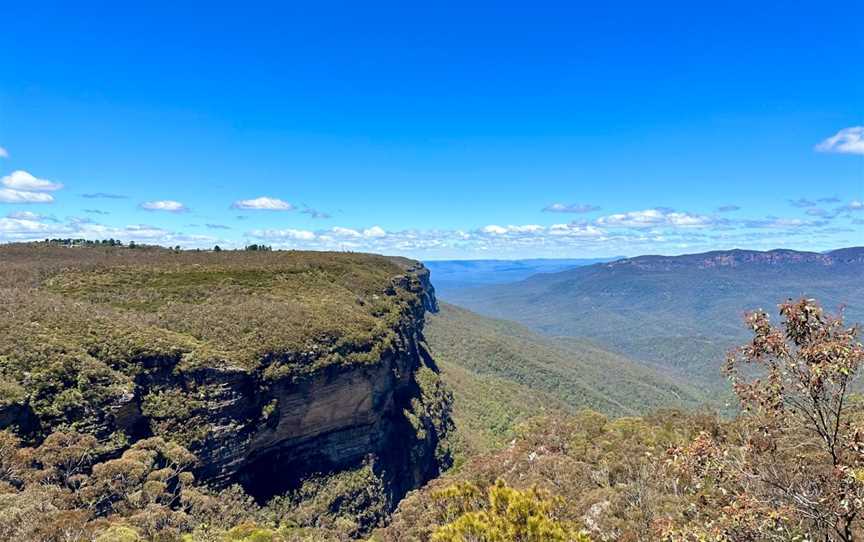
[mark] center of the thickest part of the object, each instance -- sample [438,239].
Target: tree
[501,514]
[797,466]
[65,458]
[151,471]
[217,248]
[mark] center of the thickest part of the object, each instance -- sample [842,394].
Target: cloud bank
[652,218]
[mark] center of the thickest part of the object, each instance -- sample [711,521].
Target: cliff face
[270,434]
[319,398]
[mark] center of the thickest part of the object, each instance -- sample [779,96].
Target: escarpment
[271,368]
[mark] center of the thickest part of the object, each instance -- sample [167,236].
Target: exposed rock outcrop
[294,414]
[270,434]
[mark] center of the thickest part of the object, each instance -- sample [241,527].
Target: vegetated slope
[609,477]
[674,475]
[271,367]
[454,274]
[502,372]
[683,312]
[487,409]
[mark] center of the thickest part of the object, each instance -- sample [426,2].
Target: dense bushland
[59,492]
[789,467]
[80,325]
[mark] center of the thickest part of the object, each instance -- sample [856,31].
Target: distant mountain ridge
[737,257]
[683,312]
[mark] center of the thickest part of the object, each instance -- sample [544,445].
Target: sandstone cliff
[330,371]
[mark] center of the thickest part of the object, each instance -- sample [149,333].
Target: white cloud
[23,226]
[656,229]
[19,226]
[134,231]
[374,231]
[570,208]
[634,219]
[575,230]
[22,187]
[144,233]
[528,228]
[24,181]
[494,229]
[4,153]
[286,234]
[263,203]
[688,220]
[345,232]
[167,205]
[650,218]
[846,141]
[8,195]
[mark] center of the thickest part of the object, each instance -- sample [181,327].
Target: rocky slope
[269,367]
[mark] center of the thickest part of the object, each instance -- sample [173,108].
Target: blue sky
[453,130]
